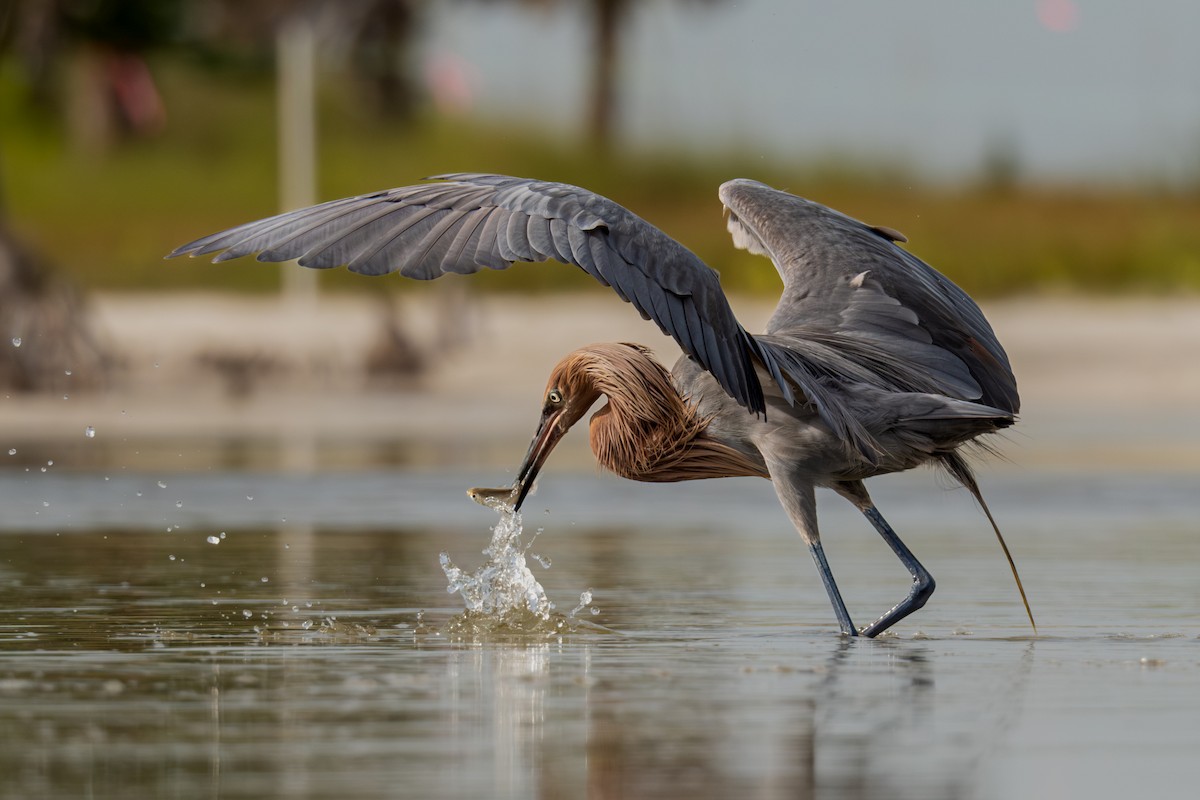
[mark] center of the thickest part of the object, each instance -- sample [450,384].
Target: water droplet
[306,624]
[179,504]
[66,397]
[201,584]
[172,557]
[585,600]
[162,485]
[139,494]
[544,561]
[595,611]
[12,451]
[16,340]
[66,372]
[45,504]
[249,497]
[264,579]
[89,432]
[213,540]
[222,534]
[247,613]
[50,463]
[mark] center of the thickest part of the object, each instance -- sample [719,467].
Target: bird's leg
[922,585]
[798,497]
[835,596]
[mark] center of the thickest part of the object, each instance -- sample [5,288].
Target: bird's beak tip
[540,448]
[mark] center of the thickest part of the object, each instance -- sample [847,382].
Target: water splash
[503,585]
[503,600]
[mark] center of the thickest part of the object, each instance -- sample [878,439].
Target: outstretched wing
[466,222]
[858,307]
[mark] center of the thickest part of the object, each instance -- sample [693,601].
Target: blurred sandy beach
[1103,381]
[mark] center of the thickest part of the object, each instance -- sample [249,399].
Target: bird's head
[575,385]
[570,392]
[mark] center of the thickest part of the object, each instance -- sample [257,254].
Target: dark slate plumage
[849,286]
[467,222]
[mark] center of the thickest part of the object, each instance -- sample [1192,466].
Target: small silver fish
[493,497]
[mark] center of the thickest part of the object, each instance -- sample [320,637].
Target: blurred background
[1045,154]
[223,487]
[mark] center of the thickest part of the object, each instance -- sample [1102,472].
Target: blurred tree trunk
[607,19]
[48,343]
[30,30]
[46,340]
[382,42]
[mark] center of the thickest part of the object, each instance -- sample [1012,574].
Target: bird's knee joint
[922,590]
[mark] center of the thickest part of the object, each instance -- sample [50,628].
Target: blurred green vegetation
[107,220]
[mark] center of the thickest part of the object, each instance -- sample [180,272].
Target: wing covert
[848,287]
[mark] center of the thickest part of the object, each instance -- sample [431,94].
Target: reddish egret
[873,362]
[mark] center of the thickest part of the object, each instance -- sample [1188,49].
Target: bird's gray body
[873,362]
[898,364]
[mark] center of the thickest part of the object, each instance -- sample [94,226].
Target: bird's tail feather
[958,467]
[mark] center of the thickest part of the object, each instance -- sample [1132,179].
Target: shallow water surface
[311,651]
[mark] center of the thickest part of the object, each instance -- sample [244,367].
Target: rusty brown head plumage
[646,431]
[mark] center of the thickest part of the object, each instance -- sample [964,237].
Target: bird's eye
[555,397]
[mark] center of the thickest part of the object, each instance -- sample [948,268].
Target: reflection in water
[156,688]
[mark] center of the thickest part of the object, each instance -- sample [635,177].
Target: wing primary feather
[469,221]
[460,256]
[561,237]
[516,237]
[269,236]
[438,241]
[488,253]
[231,237]
[537,232]
[581,252]
[366,236]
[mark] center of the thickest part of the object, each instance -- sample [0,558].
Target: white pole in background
[295,81]
[295,57]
